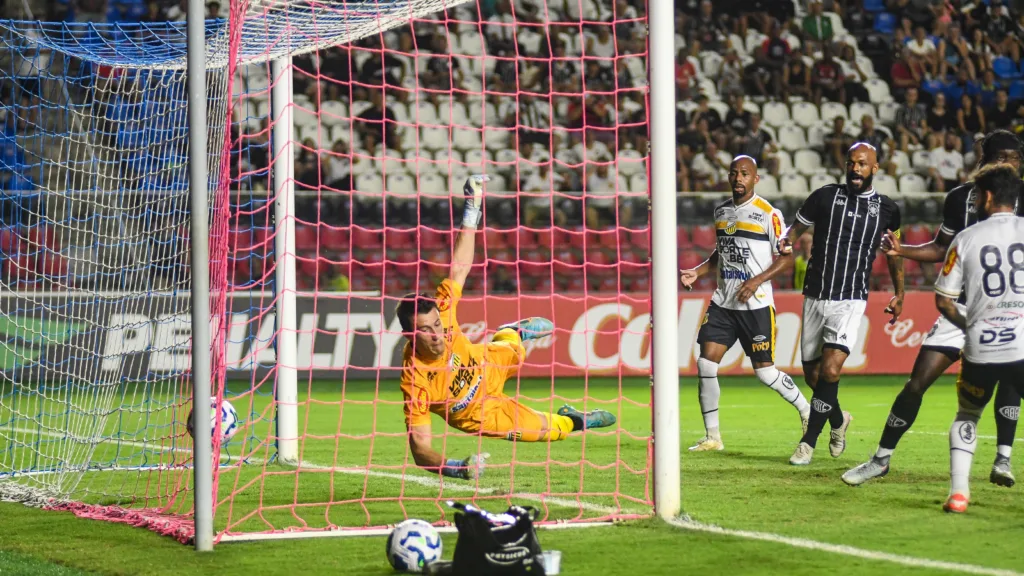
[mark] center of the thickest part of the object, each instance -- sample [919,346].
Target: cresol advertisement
[124,338]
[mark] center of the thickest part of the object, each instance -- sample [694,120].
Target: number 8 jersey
[747,239]
[986,261]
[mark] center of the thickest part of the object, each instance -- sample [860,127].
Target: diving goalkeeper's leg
[530,328]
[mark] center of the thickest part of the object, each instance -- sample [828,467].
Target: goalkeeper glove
[469,469]
[474,191]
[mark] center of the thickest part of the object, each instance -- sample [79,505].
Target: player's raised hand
[473,189]
[894,309]
[473,467]
[688,278]
[891,245]
[747,289]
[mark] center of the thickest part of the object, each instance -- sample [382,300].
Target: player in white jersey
[986,262]
[742,307]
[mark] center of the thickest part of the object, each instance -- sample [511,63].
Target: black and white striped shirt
[848,229]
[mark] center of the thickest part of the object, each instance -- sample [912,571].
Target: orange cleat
[956,503]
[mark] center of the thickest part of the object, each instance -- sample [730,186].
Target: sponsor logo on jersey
[462,404]
[950,261]
[733,274]
[760,346]
[895,421]
[760,338]
[777,225]
[840,201]
[757,217]
[1010,412]
[444,303]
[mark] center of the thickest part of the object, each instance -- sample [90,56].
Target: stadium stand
[791,92]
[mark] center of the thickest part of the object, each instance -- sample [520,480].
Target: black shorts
[755,330]
[977,382]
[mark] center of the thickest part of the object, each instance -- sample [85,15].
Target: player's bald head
[744,161]
[865,151]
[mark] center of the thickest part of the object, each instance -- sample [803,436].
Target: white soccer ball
[412,545]
[228,419]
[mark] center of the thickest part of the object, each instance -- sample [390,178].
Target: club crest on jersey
[444,303]
[730,228]
[950,261]
[873,209]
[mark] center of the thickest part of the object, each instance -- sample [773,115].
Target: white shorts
[829,323]
[944,334]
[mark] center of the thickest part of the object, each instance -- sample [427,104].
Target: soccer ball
[412,545]
[228,421]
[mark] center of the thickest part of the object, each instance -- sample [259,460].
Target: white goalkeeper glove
[469,469]
[474,191]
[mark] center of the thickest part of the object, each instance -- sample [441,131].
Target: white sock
[963,437]
[883,452]
[709,393]
[784,386]
[1004,451]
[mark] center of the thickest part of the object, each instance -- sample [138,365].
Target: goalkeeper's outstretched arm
[465,244]
[429,459]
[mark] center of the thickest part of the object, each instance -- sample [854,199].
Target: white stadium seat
[785,162]
[775,114]
[721,107]
[630,162]
[822,179]
[911,183]
[401,184]
[434,138]
[885,184]
[506,158]
[638,183]
[807,162]
[902,162]
[794,184]
[816,136]
[878,91]
[496,138]
[887,112]
[475,160]
[425,113]
[921,161]
[768,185]
[805,114]
[710,64]
[332,112]
[792,138]
[432,184]
[833,110]
[466,138]
[370,183]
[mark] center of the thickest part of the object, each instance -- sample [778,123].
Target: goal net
[340,135]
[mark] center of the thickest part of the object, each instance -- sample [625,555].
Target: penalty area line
[912,561]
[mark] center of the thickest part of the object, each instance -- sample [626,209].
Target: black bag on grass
[496,545]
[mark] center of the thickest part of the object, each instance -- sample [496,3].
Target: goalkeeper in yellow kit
[444,373]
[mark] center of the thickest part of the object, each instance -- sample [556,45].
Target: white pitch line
[844,550]
[428,481]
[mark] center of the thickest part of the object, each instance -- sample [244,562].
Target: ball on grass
[412,545]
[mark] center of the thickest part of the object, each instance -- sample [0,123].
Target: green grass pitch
[749,486]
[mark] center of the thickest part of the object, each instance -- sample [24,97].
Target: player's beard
[864,185]
[737,196]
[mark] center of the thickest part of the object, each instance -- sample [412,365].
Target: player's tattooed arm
[688,277]
[895,307]
[934,251]
[947,306]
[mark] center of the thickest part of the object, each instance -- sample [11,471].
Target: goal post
[337,138]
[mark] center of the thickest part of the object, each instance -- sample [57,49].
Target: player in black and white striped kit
[849,221]
[941,349]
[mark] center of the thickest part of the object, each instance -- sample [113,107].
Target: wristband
[453,468]
[471,215]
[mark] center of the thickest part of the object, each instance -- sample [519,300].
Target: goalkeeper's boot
[803,455]
[837,443]
[530,328]
[874,468]
[708,444]
[592,419]
[1002,473]
[956,503]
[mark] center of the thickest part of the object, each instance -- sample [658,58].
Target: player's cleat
[956,503]
[708,444]
[805,417]
[1002,473]
[592,419]
[803,455]
[530,328]
[837,443]
[874,468]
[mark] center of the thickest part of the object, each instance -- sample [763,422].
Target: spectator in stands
[982,50]
[337,166]
[1002,114]
[910,121]
[905,73]
[501,30]
[176,13]
[692,142]
[955,53]
[817,26]
[970,119]
[884,145]
[737,120]
[853,77]
[710,169]
[985,92]
[442,72]
[765,74]
[539,185]
[796,79]
[307,165]
[382,68]
[758,144]
[534,119]
[686,75]
[946,168]
[918,12]
[730,76]
[706,30]
[565,72]
[378,122]
[154,13]
[602,197]
[827,78]
[922,49]
[600,44]
[1000,25]
[598,77]
[940,119]
[706,112]
[837,142]
[594,150]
